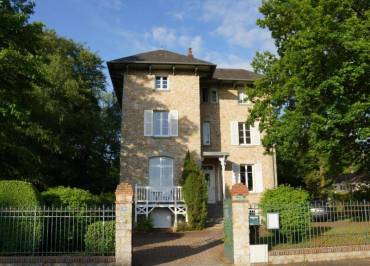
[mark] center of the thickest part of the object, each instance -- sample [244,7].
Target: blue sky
[221,31]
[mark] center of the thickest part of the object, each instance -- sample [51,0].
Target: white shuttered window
[161,123]
[250,175]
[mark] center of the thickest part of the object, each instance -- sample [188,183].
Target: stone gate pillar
[240,220]
[124,194]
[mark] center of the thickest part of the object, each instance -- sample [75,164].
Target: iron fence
[57,231]
[313,225]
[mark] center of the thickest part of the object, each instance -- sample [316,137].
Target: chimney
[190,52]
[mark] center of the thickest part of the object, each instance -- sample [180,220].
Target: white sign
[272,221]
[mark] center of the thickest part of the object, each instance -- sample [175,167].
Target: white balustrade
[158,194]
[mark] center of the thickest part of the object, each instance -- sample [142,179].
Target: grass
[322,234]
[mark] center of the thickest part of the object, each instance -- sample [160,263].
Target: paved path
[187,248]
[203,248]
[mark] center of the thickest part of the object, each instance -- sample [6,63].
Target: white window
[249,175]
[214,96]
[244,133]
[242,97]
[161,83]
[161,123]
[206,133]
[161,172]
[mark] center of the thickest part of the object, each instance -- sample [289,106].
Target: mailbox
[254,220]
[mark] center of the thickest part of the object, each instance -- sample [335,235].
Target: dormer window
[161,83]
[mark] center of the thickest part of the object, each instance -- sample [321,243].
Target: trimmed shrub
[18,194]
[195,194]
[100,238]
[292,204]
[69,197]
[19,233]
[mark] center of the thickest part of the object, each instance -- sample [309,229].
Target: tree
[195,193]
[313,101]
[58,124]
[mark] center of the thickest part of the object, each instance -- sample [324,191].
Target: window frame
[205,95]
[214,90]
[245,101]
[161,79]
[203,136]
[161,135]
[162,166]
[248,176]
[244,137]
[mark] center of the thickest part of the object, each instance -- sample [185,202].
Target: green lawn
[323,234]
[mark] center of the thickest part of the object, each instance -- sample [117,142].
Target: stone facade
[220,115]
[184,95]
[139,95]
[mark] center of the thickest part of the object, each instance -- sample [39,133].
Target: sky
[223,32]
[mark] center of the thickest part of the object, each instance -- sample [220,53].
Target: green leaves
[314,101]
[55,129]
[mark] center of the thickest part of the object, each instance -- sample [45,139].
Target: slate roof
[160,57]
[235,74]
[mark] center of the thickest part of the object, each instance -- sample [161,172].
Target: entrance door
[209,173]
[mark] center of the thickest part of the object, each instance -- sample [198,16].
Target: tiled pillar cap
[239,190]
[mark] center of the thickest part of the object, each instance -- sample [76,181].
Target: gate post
[124,194]
[240,220]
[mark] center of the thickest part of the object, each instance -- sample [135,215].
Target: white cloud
[236,22]
[169,38]
[228,60]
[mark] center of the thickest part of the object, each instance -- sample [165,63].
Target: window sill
[248,145]
[162,137]
[166,90]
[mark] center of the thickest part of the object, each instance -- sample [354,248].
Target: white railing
[158,194]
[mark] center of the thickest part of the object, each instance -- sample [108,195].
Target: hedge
[20,233]
[100,238]
[292,204]
[69,197]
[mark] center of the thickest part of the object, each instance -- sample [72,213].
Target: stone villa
[172,103]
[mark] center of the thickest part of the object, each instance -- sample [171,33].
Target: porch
[148,198]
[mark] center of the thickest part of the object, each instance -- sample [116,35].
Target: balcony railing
[148,194]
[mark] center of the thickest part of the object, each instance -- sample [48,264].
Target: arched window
[160,172]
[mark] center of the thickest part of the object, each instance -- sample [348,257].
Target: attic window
[161,83]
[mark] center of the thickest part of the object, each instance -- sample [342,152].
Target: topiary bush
[195,194]
[20,233]
[100,238]
[292,204]
[69,197]
[76,202]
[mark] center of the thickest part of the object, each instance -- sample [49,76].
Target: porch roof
[215,154]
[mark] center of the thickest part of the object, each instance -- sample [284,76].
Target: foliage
[58,125]
[195,193]
[69,197]
[108,198]
[313,101]
[145,224]
[100,238]
[292,204]
[20,195]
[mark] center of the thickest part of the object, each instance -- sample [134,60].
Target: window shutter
[236,173]
[257,178]
[234,133]
[174,123]
[255,134]
[148,122]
